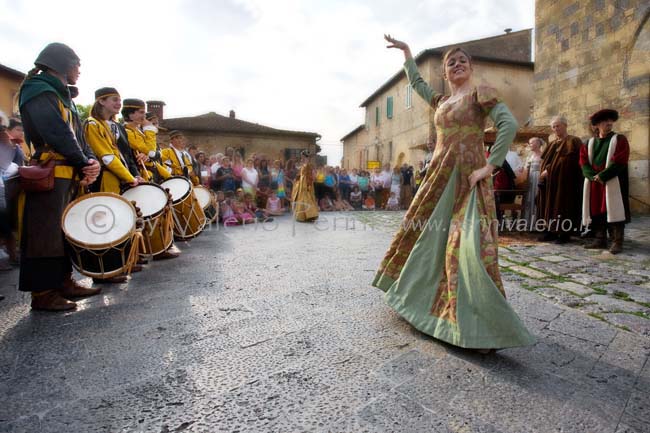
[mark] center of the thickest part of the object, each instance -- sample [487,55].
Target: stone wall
[592,54]
[271,146]
[9,87]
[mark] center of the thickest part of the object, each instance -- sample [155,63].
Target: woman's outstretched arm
[420,86]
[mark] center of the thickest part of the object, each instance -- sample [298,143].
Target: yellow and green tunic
[441,271]
[144,141]
[101,139]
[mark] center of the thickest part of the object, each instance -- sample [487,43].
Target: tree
[84,111]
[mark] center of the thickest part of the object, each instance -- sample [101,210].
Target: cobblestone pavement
[276,328]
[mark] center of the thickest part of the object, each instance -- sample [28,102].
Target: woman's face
[112,105]
[249,163]
[458,68]
[533,144]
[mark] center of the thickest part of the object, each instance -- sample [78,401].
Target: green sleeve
[420,86]
[506,125]
[588,172]
[613,170]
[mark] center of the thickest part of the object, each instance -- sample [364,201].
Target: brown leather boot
[51,300]
[618,232]
[72,289]
[599,242]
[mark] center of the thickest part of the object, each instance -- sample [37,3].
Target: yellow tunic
[170,158]
[144,141]
[102,141]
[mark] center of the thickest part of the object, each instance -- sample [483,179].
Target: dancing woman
[305,208]
[441,271]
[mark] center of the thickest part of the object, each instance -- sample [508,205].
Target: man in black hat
[53,129]
[606,187]
[177,158]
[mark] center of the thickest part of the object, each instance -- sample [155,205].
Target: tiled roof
[12,72]
[354,131]
[213,122]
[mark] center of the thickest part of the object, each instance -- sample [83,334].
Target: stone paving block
[406,366]
[560,296]
[607,303]
[529,272]
[622,362]
[638,406]
[558,269]
[639,294]
[637,324]
[578,325]
[576,288]
[554,259]
[588,279]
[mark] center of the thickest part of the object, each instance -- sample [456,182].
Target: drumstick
[144,167]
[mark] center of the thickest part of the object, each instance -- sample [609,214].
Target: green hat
[175,133]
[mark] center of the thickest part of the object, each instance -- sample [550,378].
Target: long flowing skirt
[304,203]
[441,272]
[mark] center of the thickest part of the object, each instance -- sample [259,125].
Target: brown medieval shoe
[136,268]
[119,279]
[599,242]
[72,289]
[51,300]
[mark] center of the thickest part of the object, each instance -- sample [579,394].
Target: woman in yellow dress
[305,208]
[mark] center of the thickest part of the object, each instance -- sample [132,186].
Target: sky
[290,64]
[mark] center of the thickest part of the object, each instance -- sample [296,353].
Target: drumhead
[150,198]
[203,195]
[98,219]
[178,187]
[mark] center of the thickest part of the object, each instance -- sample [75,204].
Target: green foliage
[84,111]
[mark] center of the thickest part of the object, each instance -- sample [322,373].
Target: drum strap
[137,244]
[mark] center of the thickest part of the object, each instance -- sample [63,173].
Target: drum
[189,217]
[158,219]
[208,202]
[101,231]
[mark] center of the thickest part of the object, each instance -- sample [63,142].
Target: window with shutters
[389,107]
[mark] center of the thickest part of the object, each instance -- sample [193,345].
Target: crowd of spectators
[256,187]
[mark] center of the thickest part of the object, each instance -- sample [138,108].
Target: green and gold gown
[441,272]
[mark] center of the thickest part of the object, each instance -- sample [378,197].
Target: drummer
[177,158]
[141,133]
[53,129]
[102,134]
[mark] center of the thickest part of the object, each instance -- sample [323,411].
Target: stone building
[212,133]
[592,54]
[398,121]
[10,81]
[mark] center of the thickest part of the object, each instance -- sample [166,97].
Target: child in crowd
[242,215]
[341,204]
[252,209]
[326,204]
[369,202]
[356,198]
[393,202]
[274,205]
[226,212]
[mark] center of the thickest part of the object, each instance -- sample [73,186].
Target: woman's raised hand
[394,43]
